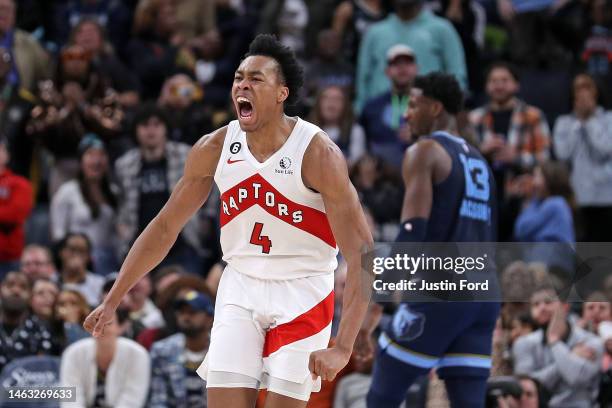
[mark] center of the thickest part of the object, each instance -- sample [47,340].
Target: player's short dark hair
[444,88]
[504,65]
[290,72]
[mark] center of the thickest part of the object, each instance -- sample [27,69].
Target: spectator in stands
[17,103]
[109,371]
[436,45]
[146,175]
[44,295]
[509,132]
[584,139]
[564,358]
[164,277]
[15,206]
[532,32]
[533,395]
[333,113]
[522,325]
[218,52]
[379,189]
[352,388]
[70,311]
[288,20]
[502,392]
[174,381]
[469,20]
[20,334]
[113,16]
[29,62]
[352,19]
[88,205]
[164,300]
[80,93]
[74,253]
[605,391]
[595,310]
[130,328]
[181,97]
[89,89]
[382,117]
[154,48]
[518,281]
[195,18]
[548,214]
[329,68]
[37,263]
[512,135]
[597,54]
[62,314]
[141,307]
[90,35]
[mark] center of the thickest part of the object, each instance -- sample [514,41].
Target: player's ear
[436,109]
[283,94]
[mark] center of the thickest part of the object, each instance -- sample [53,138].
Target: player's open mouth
[245,107]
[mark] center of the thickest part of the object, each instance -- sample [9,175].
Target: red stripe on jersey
[312,220]
[305,325]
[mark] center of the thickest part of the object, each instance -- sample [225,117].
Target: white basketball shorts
[266,329]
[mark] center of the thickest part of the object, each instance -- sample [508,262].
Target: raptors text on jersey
[272,225]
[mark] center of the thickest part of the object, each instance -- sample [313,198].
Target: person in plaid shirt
[512,135]
[509,131]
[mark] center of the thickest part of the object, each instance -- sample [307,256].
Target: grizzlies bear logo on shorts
[406,324]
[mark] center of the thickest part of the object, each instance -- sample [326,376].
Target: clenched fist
[97,320]
[328,363]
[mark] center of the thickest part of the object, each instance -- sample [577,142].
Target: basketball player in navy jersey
[287,206]
[445,180]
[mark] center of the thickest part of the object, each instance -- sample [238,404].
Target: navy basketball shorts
[452,337]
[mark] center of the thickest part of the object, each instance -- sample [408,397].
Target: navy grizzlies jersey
[464,206]
[448,329]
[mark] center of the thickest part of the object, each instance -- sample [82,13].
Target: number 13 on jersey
[261,240]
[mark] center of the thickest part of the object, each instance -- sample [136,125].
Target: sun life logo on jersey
[285,166]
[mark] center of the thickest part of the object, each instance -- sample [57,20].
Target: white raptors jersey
[272,225]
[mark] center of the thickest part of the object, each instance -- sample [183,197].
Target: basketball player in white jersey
[287,204]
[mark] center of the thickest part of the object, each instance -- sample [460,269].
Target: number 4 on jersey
[261,240]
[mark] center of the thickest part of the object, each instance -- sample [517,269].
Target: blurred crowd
[100,101]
